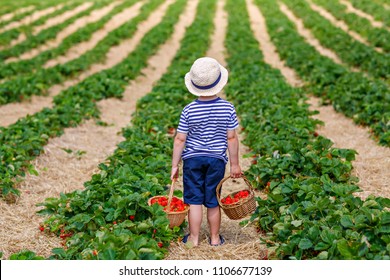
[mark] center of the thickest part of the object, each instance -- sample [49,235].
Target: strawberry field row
[20,87]
[9,35]
[24,140]
[358,97]
[137,170]
[353,52]
[38,6]
[34,41]
[310,212]
[378,37]
[374,9]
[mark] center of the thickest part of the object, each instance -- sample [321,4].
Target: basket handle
[225,179]
[171,192]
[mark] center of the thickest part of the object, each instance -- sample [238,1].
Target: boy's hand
[235,171]
[174,172]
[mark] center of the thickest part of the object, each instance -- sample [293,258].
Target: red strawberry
[41,228]
[160,244]
[131,217]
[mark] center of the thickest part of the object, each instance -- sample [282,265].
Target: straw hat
[206,77]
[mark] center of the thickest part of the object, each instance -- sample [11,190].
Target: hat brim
[207,92]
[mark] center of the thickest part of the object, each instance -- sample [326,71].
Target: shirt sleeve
[183,123]
[233,122]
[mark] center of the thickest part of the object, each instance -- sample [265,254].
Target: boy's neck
[207,98]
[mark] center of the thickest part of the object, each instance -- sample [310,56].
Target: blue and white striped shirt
[206,124]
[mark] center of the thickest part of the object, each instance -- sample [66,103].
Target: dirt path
[95,16]
[341,24]
[81,48]
[372,165]
[11,112]
[9,16]
[62,172]
[360,13]
[52,22]
[241,243]
[31,18]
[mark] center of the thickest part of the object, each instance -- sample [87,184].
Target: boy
[206,129]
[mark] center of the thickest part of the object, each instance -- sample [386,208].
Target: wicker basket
[243,207]
[175,218]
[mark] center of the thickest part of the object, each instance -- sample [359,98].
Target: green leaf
[384,229]
[346,221]
[385,218]
[305,244]
[296,223]
[344,249]
[108,254]
[321,246]
[327,236]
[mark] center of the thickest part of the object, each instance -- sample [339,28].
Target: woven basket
[175,218]
[243,207]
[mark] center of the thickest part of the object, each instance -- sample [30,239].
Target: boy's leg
[195,222]
[214,220]
[214,175]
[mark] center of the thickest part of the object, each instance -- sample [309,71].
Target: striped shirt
[206,124]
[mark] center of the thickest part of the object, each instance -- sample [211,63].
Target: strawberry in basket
[236,197]
[177,205]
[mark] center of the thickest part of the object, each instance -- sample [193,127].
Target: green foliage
[25,255]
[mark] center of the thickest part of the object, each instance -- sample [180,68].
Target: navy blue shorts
[201,176]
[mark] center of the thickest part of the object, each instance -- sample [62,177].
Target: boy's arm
[232,139]
[178,147]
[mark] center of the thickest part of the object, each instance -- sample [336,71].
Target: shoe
[221,241]
[185,238]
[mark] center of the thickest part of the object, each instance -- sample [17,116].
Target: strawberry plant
[25,255]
